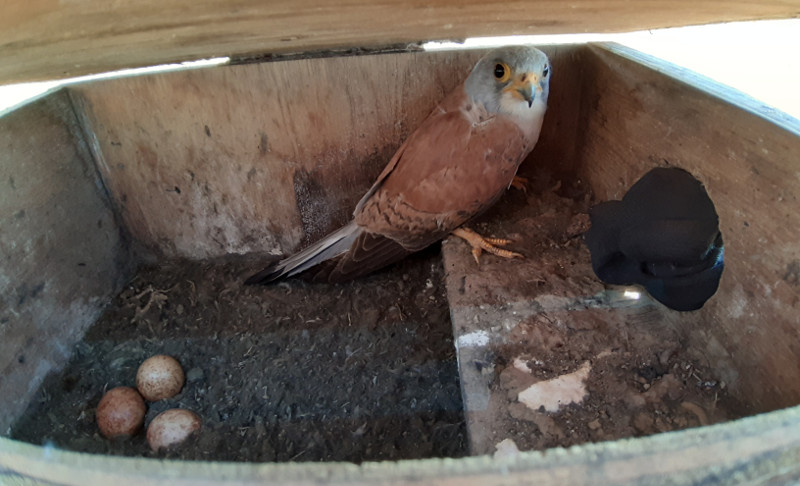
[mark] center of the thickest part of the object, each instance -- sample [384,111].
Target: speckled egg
[171,427]
[120,412]
[159,377]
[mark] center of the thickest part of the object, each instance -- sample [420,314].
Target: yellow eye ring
[502,72]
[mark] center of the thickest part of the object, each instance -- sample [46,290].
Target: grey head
[510,76]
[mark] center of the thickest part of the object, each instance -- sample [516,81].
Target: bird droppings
[473,339]
[522,365]
[506,448]
[291,372]
[557,392]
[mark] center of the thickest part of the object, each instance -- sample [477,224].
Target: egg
[120,412]
[159,377]
[171,427]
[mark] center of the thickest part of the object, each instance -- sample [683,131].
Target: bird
[454,166]
[663,235]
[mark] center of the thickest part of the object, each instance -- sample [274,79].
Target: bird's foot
[480,244]
[520,183]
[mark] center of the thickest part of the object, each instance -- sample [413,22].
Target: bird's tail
[329,247]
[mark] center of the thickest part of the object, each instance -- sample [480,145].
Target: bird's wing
[367,253]
[330,247]
[452,168]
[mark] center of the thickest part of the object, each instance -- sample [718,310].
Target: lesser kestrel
[453,167]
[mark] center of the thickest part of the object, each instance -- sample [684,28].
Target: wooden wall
[762,450]
[266,157]
[49,39]
[635,118]
[61,252]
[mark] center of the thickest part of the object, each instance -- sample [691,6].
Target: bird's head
[510,78]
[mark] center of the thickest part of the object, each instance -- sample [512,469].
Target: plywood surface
[758,450]
[61,252]
[266,157]
[636,118]
[48,39]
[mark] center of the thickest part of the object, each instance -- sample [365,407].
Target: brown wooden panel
[259,157]
[759,450]
[47,39]
[635,118]
[61,252]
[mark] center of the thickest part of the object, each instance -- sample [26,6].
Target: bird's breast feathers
[528,119]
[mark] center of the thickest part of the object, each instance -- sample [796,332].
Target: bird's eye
[501,72]
[546,71]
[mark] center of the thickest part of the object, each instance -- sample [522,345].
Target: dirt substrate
[368,370]
[550,356]
[289,372]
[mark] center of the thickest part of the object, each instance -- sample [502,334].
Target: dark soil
[368,370]
[288,372]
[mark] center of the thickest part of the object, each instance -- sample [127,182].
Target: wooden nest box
[275,148]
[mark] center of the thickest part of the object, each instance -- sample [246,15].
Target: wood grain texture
[48,39]
[758,450]
[266,157]
[61,252]
[616,120]
[635,118]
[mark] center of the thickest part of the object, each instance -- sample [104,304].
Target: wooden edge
[762,448]
[705,84]
[44,39]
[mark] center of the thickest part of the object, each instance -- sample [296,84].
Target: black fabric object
[663,235]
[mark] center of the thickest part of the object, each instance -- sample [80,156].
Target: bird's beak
[522,87]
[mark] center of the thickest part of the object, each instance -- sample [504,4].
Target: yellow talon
[498,241]
[520,183]
[479,244]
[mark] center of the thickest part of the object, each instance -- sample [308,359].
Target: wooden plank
[260,157]
[61,251]
[757,450]
[634,118]
[47,39]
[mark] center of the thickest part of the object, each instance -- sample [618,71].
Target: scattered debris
[506,448]
[557,392]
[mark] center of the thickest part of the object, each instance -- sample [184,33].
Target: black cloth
[664,235]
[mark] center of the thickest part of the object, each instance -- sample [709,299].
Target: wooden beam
[48,39]
[759,450]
